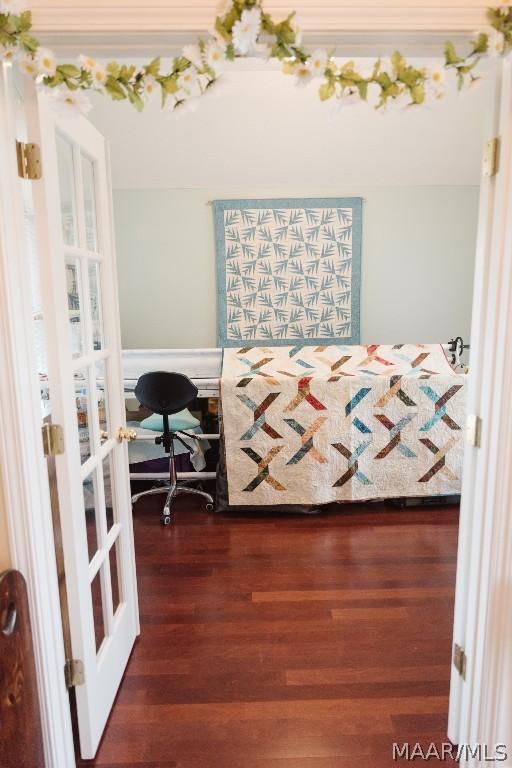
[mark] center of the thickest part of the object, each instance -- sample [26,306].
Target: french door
[73,209]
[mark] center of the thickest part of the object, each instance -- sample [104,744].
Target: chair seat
[181,420]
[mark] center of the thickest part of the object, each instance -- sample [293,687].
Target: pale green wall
[417,262]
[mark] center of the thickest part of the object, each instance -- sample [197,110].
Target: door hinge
[491,158]
[53,439]
[459,660]
[29,161]
[73,673]
[473,430]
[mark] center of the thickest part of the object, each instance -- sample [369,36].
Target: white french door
[73,209]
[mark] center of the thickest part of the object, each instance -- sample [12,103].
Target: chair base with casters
[167,393]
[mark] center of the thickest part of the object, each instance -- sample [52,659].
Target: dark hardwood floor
[286,642]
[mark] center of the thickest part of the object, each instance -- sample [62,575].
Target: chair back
[165,392]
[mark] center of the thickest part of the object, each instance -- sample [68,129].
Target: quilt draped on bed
[317,424]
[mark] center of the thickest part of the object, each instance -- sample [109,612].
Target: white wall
[418,170]
[259,130]
[417,262]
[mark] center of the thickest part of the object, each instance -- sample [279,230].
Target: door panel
[84,370]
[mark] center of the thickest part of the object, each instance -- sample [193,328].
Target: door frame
[481,706]
[24,474]
[473,702]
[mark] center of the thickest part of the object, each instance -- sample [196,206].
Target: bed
[204,367]
[319,424]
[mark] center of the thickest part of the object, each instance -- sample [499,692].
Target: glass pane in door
[97,597]
[109,491]
[90,492]
[114,575]
[95,299]
[91,237]
[82,413]
[67,190]
[102,400]
[75,306]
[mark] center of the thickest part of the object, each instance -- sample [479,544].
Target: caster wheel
[165,520]
[209,507]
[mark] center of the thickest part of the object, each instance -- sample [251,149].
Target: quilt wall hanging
[288,270]
[312,425]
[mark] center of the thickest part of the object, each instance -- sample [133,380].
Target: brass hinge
[459,660]
[491,158]
[73,673]
[29,161]
[53,439]
[474,430]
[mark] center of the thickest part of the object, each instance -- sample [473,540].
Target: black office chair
[167,393]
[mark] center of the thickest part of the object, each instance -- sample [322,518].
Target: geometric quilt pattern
[306,424]
[288,270]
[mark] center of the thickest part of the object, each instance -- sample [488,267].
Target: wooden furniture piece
[21,740]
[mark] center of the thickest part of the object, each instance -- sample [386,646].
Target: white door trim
[489,316]
[22,462]
[117,16]
[481,712]
[470,522]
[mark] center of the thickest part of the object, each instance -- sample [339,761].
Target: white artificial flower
[495,43]
[193,53]
[185,104]
[170,104]
[99,75]
[69,102]
[203,79]
[289,66]
[87,63]
[28,65]
[149,86]
[303,74]
[8,54]
[349,98]
[318,62]
[188,82]
[504,6]
[435,83]
[215,89]
[46,62]
[12,6]
[215,56]
[246,30]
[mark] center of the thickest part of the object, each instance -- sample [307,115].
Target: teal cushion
[181,420]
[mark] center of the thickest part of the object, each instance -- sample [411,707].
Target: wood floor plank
[286,641]
[383,674]
[369,614]
[291,596]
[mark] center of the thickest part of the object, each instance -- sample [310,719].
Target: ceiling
[262,131]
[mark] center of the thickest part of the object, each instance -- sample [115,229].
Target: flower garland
[238,33]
